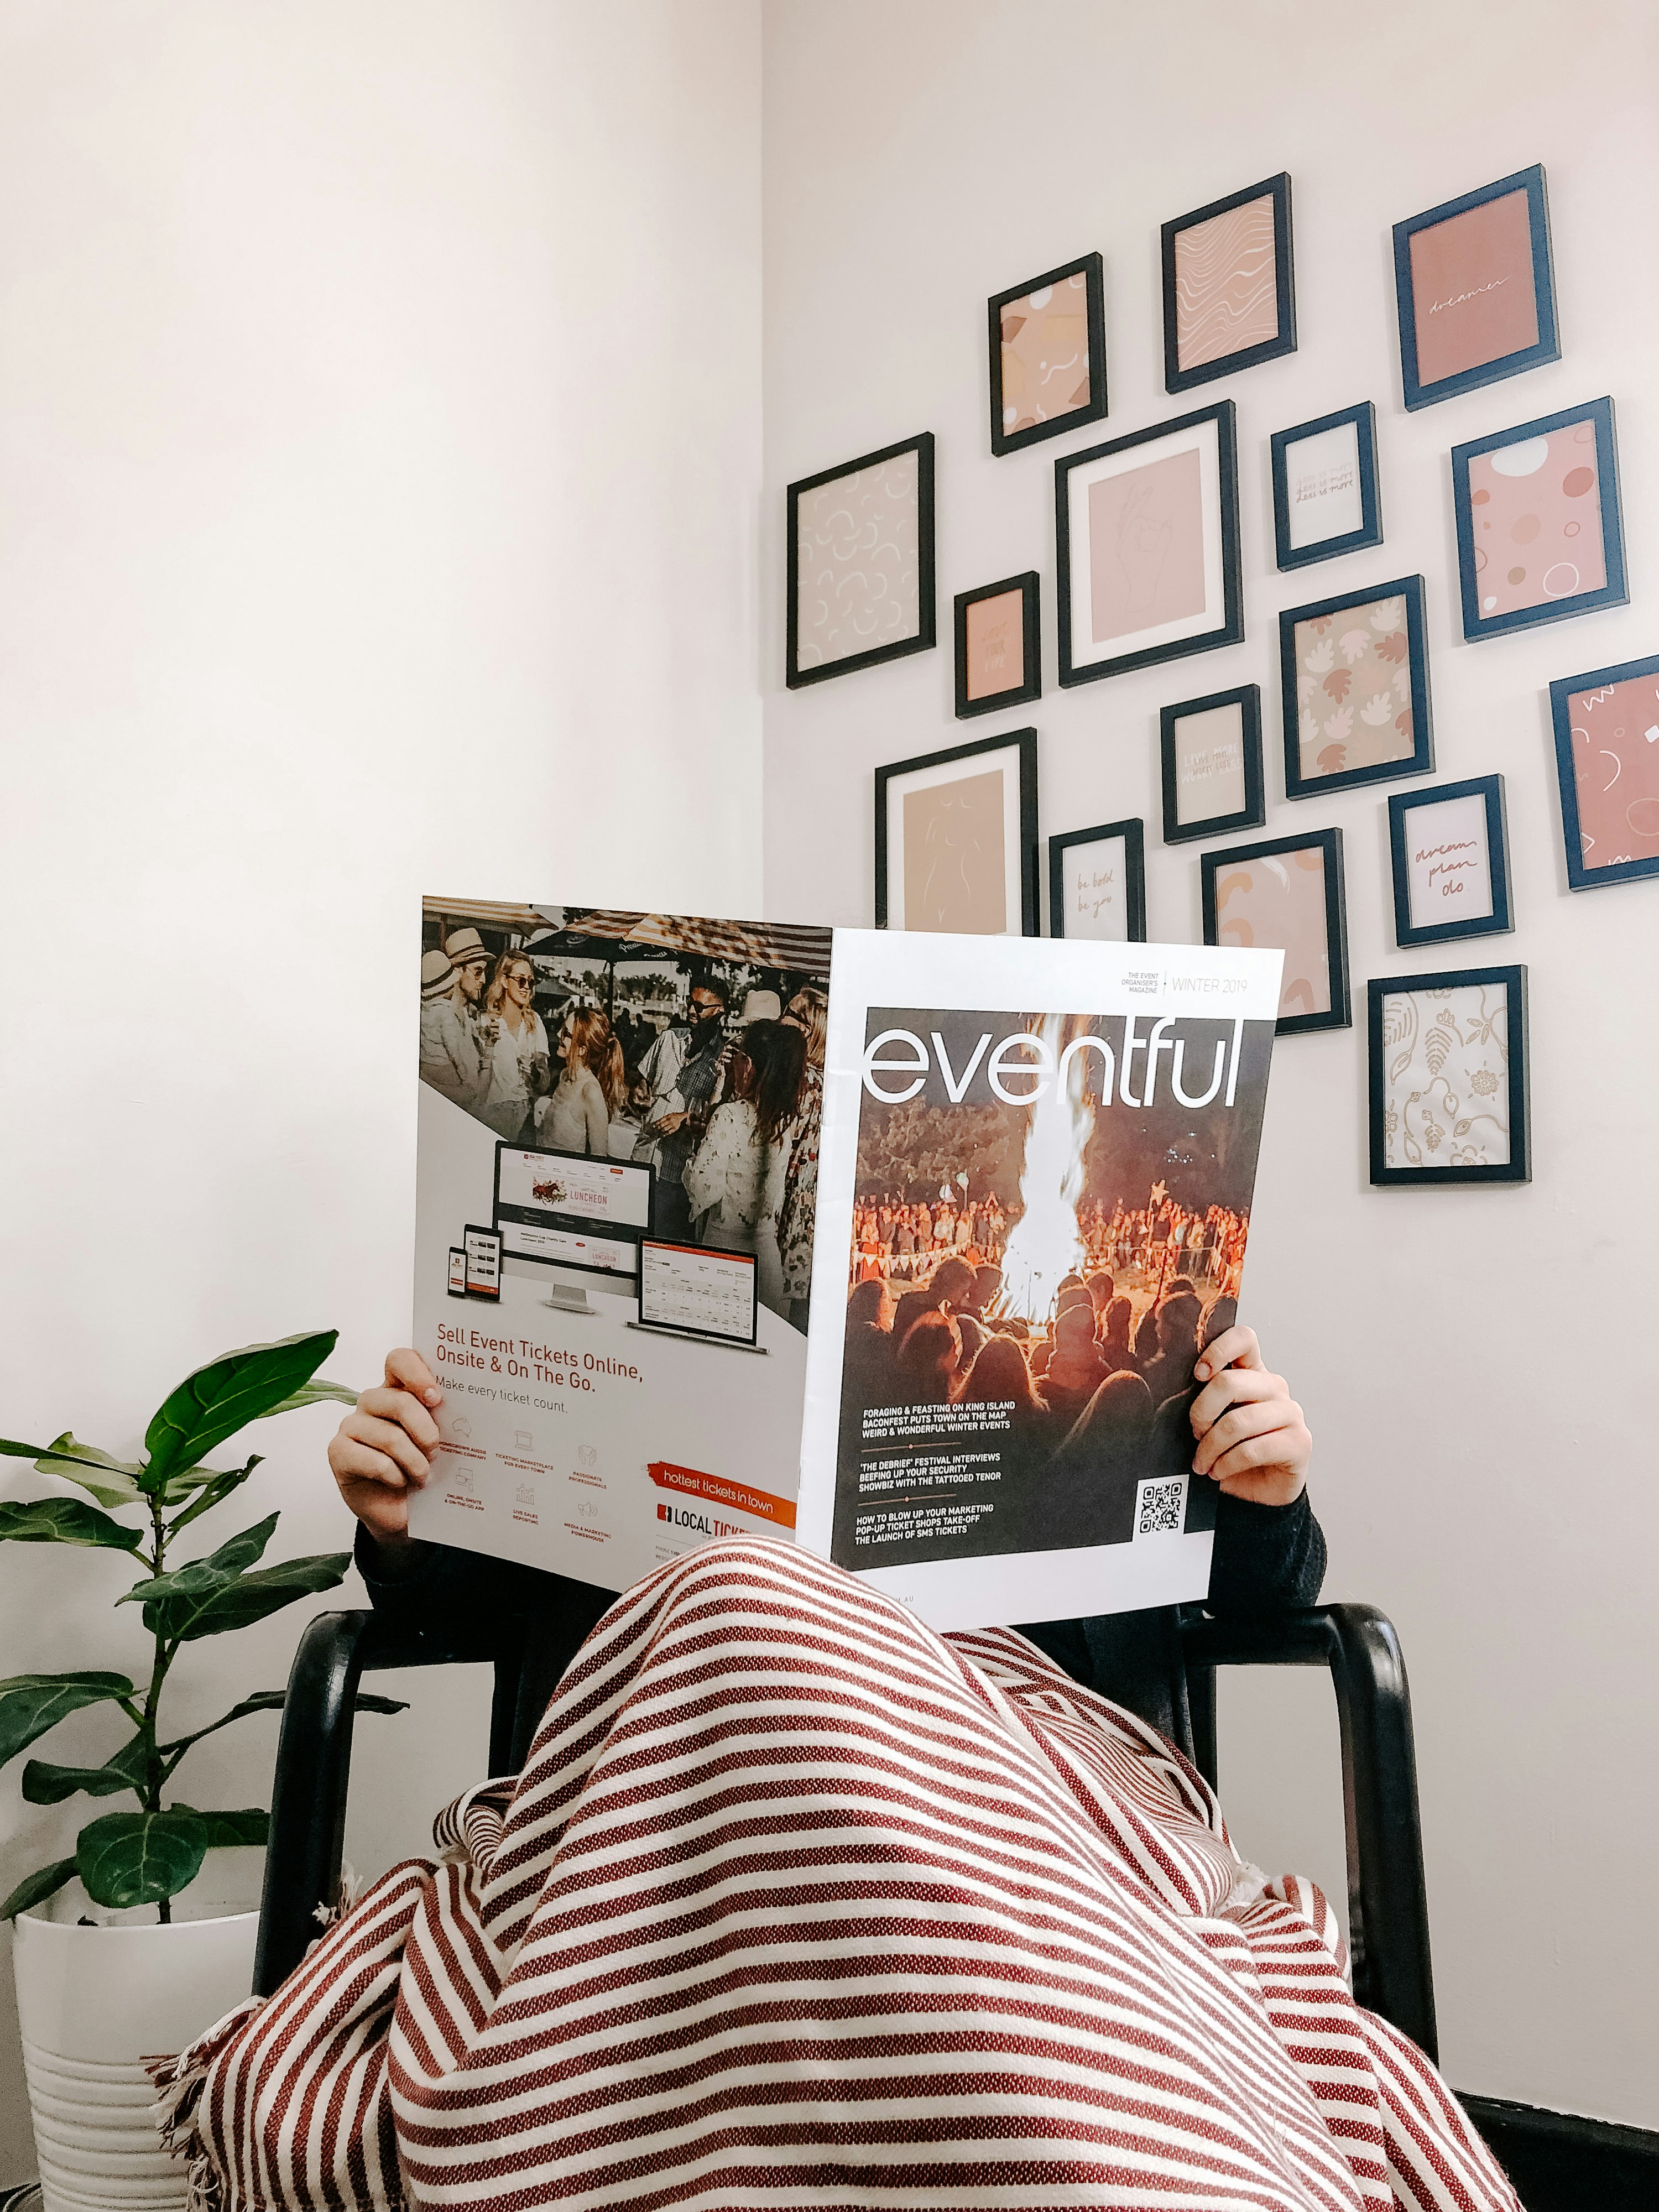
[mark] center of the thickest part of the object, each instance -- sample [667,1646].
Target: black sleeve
[1267,1557]
[452,1589]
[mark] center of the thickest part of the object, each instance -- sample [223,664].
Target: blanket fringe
[179,2079]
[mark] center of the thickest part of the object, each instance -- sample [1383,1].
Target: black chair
[1388,1907]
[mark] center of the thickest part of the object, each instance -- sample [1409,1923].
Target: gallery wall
[346,512]
[1476,1364]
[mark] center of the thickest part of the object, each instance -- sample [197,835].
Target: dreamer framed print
[860,563]
[1287,891]
[1354,690]
[1325,498]
[1229,287]
[1449,1097]
[1211,752]
[955,839]
[1146,534]
[1449,845]
[1048,355]
[998,650]
[1097,883]
[1606,756]
[1540,534]
[1476,290]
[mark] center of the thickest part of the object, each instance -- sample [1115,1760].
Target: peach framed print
[1211,760]
[999,655]
[1325,497]
[860,563]
[1541,535]
[1354,690]
[1449,846]
[1475,287]
[1287,891]
[1448,1088]
[1606,756]
[1097,884]
[955,840]
[1146,538]
[1229,285]
[1047,355]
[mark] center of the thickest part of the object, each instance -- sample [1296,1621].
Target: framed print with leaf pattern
[1449,1091]
[1354,690]
[1449,845]
[1229,285]
[1325,498]
[1541,535]
[1097,883]
[1287,891]
[860,563]
[1476,290]
[1211,759]
[1146,538]
[1048,355]
[998,650]
[955,839]
[1606,757]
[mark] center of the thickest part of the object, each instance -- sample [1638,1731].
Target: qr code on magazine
[1161,1507]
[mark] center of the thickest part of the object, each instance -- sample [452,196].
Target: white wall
[379,466]
[1478,1365]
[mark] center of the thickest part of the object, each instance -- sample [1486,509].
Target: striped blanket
[797,1903]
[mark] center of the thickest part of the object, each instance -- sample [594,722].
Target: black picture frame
[1023,741]
[1517,1169]
[1092,269]
[1369,532]
[1231,629]
[1339,1013]
[1420,760]
[1548,346]
[1028,586]
[1177,379]
[1614,592]
[1247,697]
[1563,691]
[926,610]
[1133,831]
[1401,806]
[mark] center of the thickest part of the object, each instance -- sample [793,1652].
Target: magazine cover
[1034,1200]
[614,1235]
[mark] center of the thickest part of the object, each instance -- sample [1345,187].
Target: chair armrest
[1388,1900]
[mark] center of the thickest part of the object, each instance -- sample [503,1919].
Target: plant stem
[155,1766]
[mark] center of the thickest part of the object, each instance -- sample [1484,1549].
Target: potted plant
[93,1999]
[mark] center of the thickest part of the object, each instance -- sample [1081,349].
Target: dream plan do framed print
[1354,688]
[1146,536]
[1448,1096]
[1211,762]
[860,563]
[999,659]
[1540,534]
[955,839]
[1475,288]
[1229,285]
[1449,846]
[1287,891]
[1606,757]
[1097,883]
[1048,355]
[1325,497]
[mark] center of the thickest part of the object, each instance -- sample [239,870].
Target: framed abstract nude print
[999,655]
[1325,498]
[1097,883]
[1448,1100]
[1606,756]
[860,563]
[1540,534]
[1476,290]
[1212,756]
[1048,355]
[1147,532]
[955,840]
[1229,286]
[1449,846]
[1354,690]
[1288,892]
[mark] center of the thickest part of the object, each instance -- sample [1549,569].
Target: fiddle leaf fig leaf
[31,1704]
[64,1520]
[46,1784]
[202,1577]
[111,1482]
[192,1479]
[317,1392]
[34,1888]
[251,1826]
[138,1858]
[210,1494]
[238,1601]
[217,1400]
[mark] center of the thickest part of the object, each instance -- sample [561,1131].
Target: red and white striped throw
[797,1903]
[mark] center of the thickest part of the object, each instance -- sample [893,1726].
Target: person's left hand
[1252,1439]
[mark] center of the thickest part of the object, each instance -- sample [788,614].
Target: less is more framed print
[1475,287]
[860,563]
[1097,883]
[1325,496]
[1449,1093]
[1606,757]
[955,839]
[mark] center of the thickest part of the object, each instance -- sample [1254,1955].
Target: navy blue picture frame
[1401,805]
[1339,1015]
[1253,812]
[927,635]
[1092,269]
[1369,532]
[1548,344]
[1519,1167]
[1177,379]
[1028,586]
[1616,592]
[1133,834]
[1420,760]
[1562,691]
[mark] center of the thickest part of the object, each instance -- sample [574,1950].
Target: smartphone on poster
[483,1262]
[458,1270]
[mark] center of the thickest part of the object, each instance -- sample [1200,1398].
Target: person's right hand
[380,1451]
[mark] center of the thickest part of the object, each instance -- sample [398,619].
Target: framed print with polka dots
[1540,534]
